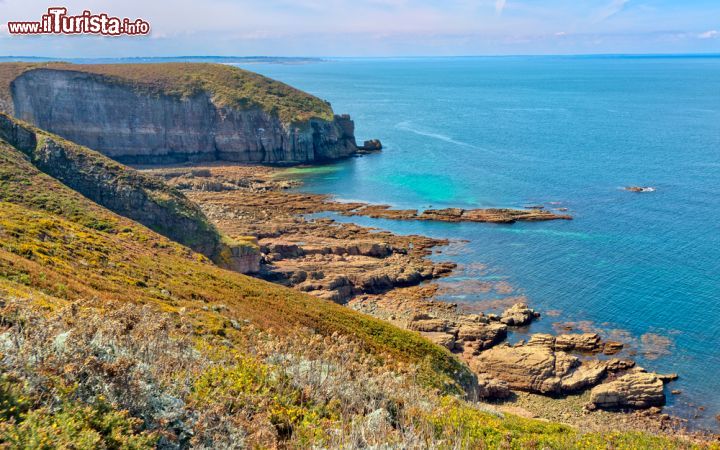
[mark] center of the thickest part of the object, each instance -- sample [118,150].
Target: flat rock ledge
[490,215]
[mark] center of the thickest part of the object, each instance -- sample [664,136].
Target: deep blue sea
[564,132]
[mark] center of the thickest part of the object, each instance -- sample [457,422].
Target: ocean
[563,132]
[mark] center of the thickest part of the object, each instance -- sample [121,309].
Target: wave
[549,232]
[532,109]
[405,126]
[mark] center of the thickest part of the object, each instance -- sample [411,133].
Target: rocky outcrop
[518,315]
[576,342]
[371,146]
[126,192]
[491,388]
[131,126]
[467,334]
[633,390]
[538,369]
[490,215]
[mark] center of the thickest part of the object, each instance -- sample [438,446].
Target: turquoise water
[563,132]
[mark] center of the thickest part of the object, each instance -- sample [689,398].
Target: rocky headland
[176,112]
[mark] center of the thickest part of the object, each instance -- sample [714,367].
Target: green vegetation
[69,425]
[227,86]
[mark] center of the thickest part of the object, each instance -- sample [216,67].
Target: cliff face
[133,126]
[128,193]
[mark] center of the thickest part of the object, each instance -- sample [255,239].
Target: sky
[379,27]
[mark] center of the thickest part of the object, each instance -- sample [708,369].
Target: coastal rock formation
[635,390]
[373,145]
[120,112]
[538,369]
[577,342]
[348,263]
[491,215]
[518,315]
[321,257]
[584,342]
[491,388]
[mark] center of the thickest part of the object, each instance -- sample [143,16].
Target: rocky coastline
[386,275]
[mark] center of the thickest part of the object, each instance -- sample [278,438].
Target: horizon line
[509,55]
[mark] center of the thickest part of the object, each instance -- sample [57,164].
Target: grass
[227,86]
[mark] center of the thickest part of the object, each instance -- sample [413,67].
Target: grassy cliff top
[228,86]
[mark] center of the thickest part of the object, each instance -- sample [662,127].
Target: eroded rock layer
[132,126]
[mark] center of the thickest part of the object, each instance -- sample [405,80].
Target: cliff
[127,192]
[176,112]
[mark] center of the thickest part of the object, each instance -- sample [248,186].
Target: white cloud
[711,34]
[561,34]
[500,6]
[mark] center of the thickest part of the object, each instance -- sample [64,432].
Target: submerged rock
[640,189]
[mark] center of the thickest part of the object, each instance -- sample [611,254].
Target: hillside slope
[174,112]
[126,192]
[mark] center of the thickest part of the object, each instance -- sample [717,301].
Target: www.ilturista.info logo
[56,21]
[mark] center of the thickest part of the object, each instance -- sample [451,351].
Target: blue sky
[382,27]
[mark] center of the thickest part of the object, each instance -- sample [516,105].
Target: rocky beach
[575,377]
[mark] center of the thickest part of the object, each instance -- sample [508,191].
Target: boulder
[584,342]
[634,390]
[640,189]
[517,315]
[492,389]
[446,340]
[428,325]
[587,374]
[372,145]
[486,335]
[619,365]
[538,368]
